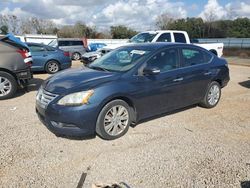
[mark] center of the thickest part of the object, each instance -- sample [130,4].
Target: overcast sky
[138,14]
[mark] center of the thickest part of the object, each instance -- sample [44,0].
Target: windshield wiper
[99,68]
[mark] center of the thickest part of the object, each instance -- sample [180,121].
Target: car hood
[73,80]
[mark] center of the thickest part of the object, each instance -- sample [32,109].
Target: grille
[44,97]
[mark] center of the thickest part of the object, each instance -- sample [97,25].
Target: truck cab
[174,36]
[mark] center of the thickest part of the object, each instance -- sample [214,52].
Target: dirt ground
[194,147]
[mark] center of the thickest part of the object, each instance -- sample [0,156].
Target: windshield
[119,60]
[143,37]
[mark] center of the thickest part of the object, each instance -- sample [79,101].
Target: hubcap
[116,120]
[213,95]
[53,67]
[76,56]
[5,86]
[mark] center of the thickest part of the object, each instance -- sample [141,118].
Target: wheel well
[8,71]
[219,81]
[129,102]
[214,52]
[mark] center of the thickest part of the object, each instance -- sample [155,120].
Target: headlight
[76,99]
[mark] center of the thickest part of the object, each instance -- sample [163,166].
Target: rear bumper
[24,74]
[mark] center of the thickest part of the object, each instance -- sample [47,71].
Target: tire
[76,56]
[212,96]
[52,67]
[115,126]
[8,85]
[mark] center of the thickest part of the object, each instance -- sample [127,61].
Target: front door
[162,92]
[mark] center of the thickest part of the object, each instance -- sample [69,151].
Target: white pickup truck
[174,36]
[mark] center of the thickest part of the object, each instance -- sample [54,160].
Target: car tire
[76,56]
[8,85]
[110,126]
[52,67]
[212,96]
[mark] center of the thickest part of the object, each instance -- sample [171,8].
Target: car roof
[33,43]
[157,45]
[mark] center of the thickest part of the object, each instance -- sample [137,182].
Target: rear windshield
[12,43]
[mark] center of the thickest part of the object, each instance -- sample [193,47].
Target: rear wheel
[114,120]
[8,85]
[212,96]
[52,67]
[76,56]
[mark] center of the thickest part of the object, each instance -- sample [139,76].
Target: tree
[163,21]
[122,32]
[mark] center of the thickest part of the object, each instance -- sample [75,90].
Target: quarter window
[194,57]
[165,60]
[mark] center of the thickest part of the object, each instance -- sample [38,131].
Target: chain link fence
[240,43]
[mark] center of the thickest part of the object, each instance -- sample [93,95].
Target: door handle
[207,73]
[178,79]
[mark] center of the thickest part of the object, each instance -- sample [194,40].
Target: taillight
[23,53]
[26,57]
[66,54]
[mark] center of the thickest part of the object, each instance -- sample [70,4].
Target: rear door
[39,55]
[196,73]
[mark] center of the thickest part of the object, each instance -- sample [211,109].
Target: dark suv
[15,65]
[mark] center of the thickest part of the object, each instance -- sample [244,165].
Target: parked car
[175,36]
[49,59]
[92,47]
[74,46]
[15,65]
[89,57]
[130,84]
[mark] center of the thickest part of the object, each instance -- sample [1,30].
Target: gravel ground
[194,147]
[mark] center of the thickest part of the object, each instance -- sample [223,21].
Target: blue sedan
[49,59]
[130,84]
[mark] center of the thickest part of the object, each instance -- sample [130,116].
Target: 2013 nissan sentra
[130,84]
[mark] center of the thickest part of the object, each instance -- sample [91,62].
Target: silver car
[74,46]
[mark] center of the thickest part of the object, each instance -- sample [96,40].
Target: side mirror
[151,71]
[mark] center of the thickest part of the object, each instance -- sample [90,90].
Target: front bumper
[68,121]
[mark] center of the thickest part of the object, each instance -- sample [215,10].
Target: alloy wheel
[116,120]
[5,86]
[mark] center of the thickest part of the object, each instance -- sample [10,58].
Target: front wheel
[8,85]
[113,120]
[212,96]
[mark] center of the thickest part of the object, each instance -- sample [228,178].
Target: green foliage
[197,28]
[4,29]
[122,32]
[78,30]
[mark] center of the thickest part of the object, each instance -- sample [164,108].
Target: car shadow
[33,85]
[163,115]
[245,84]
[245,184]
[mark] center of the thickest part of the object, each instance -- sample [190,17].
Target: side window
[36,48]
[49,48]
[194,57]
[180,37]
[165,60]
[63,43]
[77,43]
[165,37]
